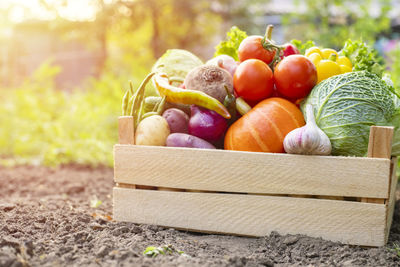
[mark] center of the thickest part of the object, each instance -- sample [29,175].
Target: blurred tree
[132,33]
[186,24]
[330,23]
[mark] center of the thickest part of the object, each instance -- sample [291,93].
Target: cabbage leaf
[346,105]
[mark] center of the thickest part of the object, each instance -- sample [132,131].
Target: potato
[187,140]
[152,131]
[177,120]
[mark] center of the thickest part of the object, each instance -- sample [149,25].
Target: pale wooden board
[380,142]
[251,172]
[379,146]
[126,132]
[344,221]
[392,199]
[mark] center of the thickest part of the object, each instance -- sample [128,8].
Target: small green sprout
[95,203]
[396,249]
[153,252]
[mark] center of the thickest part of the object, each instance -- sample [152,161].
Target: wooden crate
[345,199]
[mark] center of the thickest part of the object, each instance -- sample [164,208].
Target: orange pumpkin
[264,127]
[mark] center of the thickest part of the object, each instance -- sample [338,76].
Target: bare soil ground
[46,219]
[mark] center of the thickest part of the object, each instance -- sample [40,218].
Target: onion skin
[206,124]
[226,62]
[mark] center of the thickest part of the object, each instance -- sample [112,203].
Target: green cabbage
[346,105]
[177,63]
[174,63]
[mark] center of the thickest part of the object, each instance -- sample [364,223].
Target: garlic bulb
[309,139]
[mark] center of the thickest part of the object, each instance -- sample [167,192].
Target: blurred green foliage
[41,125]
[44,125]
[394,61]
[331,23]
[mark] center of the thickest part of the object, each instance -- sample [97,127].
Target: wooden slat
[379,146]
[348,222]
[125,130]
[392,199]
[250,172]
[380,142]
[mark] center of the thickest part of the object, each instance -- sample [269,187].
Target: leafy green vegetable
[230,46]
[346,105]
[177,63]
[363,57]
[302,46]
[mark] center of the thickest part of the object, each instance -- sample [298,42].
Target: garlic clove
[309,139]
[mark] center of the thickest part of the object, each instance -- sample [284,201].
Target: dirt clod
[46,219]
[6,206]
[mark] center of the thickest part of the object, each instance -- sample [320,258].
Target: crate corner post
[379,146]
[126,132]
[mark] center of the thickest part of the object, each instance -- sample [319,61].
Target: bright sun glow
[68,9]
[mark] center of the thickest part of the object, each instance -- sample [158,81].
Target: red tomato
[253,80]
[295,76]
[251,47]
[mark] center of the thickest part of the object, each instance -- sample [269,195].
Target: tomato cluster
[267,70]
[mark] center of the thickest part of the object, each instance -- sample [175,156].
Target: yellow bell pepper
[327,68]
[328,62]
[313,50]
[342,60]
[345,68]
[315,58]
[327,52]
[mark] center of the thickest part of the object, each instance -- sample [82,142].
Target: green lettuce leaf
[363,57]
[302,47]
[230,46]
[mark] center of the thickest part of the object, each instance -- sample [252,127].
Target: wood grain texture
[380,142]
[379,146]
[344,221]
[250,172]
[126,131]
[392,199]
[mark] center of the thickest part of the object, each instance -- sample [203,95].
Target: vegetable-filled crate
[345,199]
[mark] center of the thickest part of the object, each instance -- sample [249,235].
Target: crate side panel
[392,199]
[347,222]
[265,173]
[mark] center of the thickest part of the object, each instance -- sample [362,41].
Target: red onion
[206,124]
